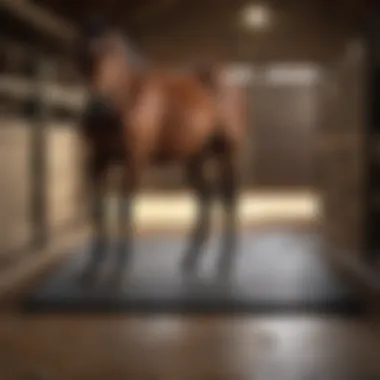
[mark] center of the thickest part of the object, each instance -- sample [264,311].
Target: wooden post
[38,152]
[372,186]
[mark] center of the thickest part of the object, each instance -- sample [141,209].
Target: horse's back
[211,104]
[190,115]
[191,111]
[176,114]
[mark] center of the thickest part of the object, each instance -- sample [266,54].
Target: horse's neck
[128,91]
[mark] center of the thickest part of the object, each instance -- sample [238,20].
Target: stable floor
[92,347]
[116,347]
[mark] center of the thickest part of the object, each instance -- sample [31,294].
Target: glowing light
[256,17]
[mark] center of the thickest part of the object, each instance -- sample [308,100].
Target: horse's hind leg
[229,197]
[203,192]
[96,175]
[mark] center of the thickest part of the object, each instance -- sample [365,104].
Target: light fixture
[256,17]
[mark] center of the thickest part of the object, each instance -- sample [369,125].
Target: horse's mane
[133,55]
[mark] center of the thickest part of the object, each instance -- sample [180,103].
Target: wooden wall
[64,180]
[342,154]
[283,127]
[15,229]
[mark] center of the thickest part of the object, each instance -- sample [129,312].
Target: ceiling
[178,30]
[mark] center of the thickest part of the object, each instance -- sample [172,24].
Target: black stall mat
[275,271]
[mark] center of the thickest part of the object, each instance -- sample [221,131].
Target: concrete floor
[93,347]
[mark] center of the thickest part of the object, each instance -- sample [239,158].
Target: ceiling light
[256,17]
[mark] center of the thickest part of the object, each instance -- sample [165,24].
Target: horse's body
[168,118]
[172,117]
[153,117]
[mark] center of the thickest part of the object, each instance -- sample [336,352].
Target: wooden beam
[152,10]
[40,19]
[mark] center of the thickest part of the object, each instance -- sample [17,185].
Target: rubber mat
[274,271]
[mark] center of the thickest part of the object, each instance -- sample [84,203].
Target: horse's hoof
[116,283]
[224,279]
[188,264]
[190,276]
[118,279]
[88,278]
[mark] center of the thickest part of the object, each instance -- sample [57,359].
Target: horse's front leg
[96,176]
[129,181]
[229,198]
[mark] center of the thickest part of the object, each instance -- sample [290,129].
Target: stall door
[283,123]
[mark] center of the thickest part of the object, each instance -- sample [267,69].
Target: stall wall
[342,151]
[66,195]
[284,122]
[14,185]
[64,180]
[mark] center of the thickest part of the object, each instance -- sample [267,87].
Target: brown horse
[141,116]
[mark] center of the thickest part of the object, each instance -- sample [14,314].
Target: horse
[140,116]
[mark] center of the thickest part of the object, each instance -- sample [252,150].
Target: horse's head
[106,58]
